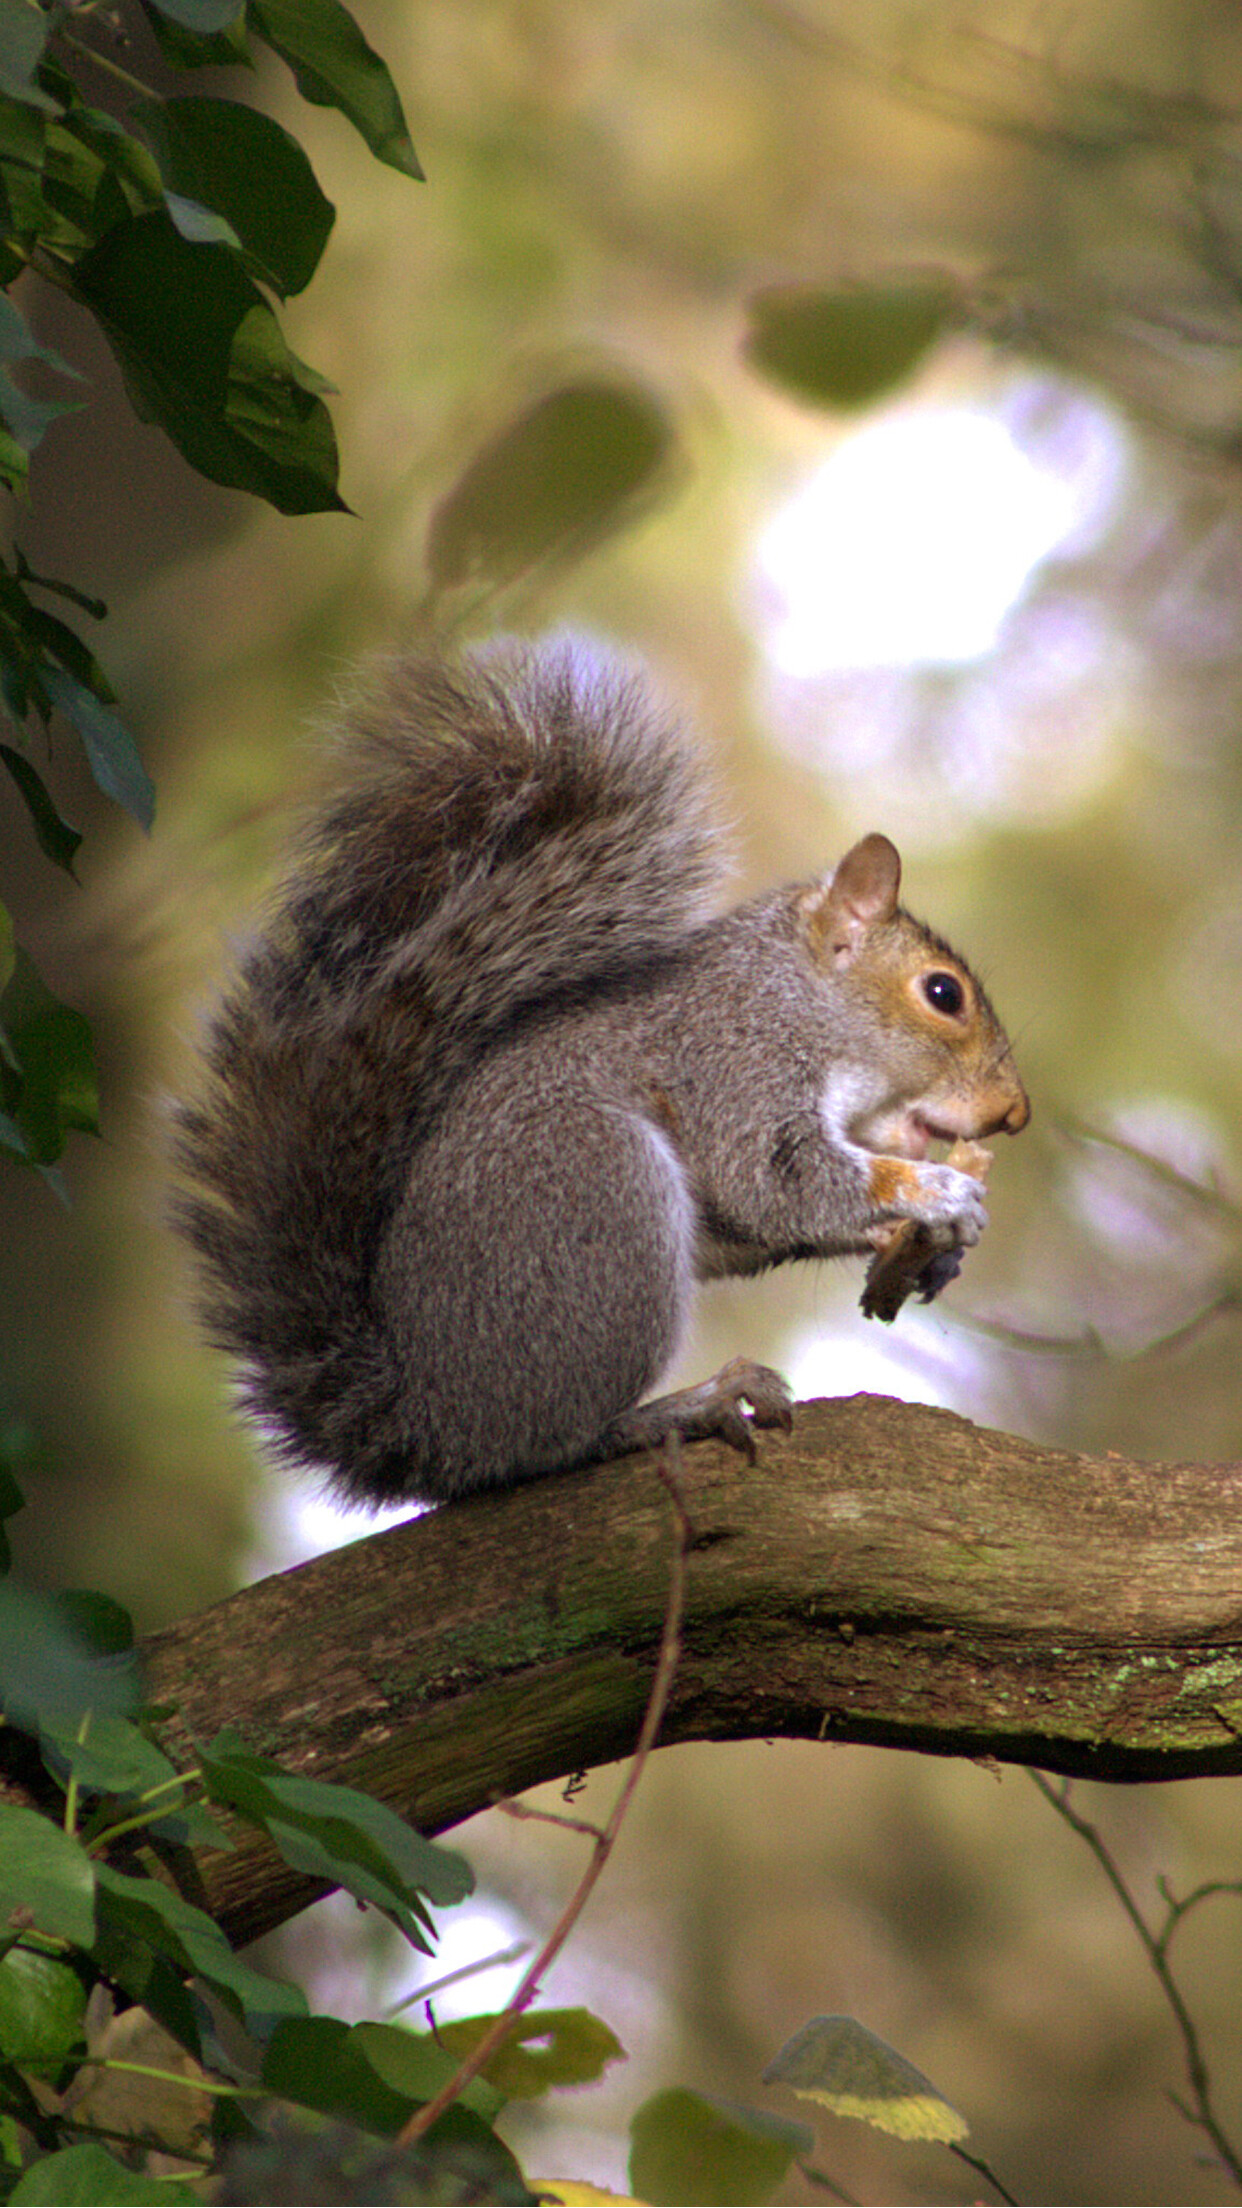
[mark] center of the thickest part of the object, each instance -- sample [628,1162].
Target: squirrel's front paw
[937,1195]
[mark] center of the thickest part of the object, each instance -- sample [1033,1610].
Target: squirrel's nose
[1018,1114]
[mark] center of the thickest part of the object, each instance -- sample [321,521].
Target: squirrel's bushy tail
[507,831]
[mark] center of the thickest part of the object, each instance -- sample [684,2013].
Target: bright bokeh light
[852,1358]
[299,1522]
[916,537]
[482,1946]
[931,639]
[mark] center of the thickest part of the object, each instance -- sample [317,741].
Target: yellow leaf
[836,2061]
[571,2194]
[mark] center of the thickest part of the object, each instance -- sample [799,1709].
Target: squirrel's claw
[711,1411]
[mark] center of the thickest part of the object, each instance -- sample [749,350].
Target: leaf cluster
[97,1899]
[101,1918]
[178,223]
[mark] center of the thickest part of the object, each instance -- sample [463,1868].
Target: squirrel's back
[508,832]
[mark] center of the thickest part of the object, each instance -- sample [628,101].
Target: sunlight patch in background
[923,639]
[298,1522]
[931,1362]
[482,1946]
[920,533]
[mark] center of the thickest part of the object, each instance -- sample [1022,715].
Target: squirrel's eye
[944,993]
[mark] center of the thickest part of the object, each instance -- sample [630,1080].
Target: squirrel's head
[945,1067]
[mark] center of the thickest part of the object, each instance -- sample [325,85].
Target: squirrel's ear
[838,911]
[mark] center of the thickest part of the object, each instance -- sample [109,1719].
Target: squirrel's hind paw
[712,1411]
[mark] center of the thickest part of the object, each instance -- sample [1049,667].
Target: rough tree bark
[888,1574]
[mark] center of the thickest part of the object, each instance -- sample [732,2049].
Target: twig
[1205,1194]
[1179,1909]
[604,1840]
[512,1954]
[984,2169]
[827,2185]
[1089,1343]
[520,1811]
[1155,1947]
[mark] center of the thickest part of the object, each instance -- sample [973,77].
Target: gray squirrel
[496,1085]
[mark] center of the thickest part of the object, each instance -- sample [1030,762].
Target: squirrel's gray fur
[492,1087]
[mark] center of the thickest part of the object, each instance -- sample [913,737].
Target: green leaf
[189,1825]
[153,1982]
[18,341]
[319,1855]
[16,1437]
[319,2062]
[25,217]
[104,1624]
[250,171]
[55,1089]
[203,16]
[340,1835]
[186,49]
[149,1911]
[846,348]
[544,2048]
[462,2148]
[334,67]
[27,418]
[14,459]
[416,2066]
[202,355]
[110,749]
[198,224]
[22,129]
[94,606]
[32,641]
[24,34]
[274,405]
[459,2159]
[81,191]
[47,1879]
[42,2006]
[552,482]
[685,2148]
[836,2061]
[47,1674]
[89,2174]
[107,172]
[44,664]
[114,1758]
[57,840]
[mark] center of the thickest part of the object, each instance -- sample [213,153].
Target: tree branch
[888,1573]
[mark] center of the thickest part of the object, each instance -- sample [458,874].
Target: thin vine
[603,1837]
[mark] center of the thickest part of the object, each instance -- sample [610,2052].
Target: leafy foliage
[333,1833]
[83,1904]
[298,2106]
[173,221]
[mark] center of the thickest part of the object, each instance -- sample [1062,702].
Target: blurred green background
[996,613]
